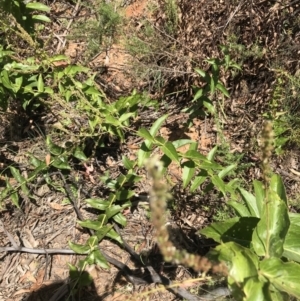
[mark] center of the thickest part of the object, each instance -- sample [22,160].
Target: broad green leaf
[4,78]
[256,290]
[259,195]
[100,260]
[38,6]
[98,203]
[79,249]
[59,57]
[188,172]
[144,133]
[283,275]
[294,218]
[237,229]
[90,224]
[125,117]
[224,172]
[278,186]
[242,262]
[240,209]
[250,202]
[120,219]
[292,243]
[270,233]
[157,124]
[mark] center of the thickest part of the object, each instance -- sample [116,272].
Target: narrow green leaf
[212,153]
[209,106]
[128,164]
[198,94]
[278,186]
[182,142]
[144,133]
[240,209]
[40,84]
[284,276]
[169,150]
[41,18]
[200,72]
[98,203]
[38,6]
[250,202]
[188,172]
[219,184]
[100,260]
[17,175]
[224,172]
[270,233]
[90,224]
[120,219]
[259,195]
[194,155]
[220,87]
[197,182]
[124,194]
[79,249]
[115,236]
[292,243]
[157,124]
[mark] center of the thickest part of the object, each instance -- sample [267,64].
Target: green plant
[100,31]
[205,95]
[260,246]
